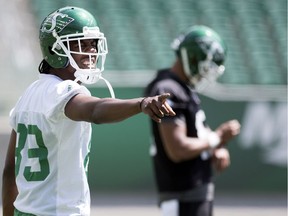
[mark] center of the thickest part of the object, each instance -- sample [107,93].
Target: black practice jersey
[190,174]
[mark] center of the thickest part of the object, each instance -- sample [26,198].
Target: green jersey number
[40,153]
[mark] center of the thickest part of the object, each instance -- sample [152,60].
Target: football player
[184,148]
[46,166]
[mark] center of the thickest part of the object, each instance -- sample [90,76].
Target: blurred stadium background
[139,32]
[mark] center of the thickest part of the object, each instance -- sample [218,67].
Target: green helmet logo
[73,24]
[51,22]
[202,53]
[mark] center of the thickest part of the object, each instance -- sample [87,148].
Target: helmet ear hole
[50,51]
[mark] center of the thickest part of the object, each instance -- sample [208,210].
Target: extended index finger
[162,98]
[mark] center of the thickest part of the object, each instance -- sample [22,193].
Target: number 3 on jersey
[40,153]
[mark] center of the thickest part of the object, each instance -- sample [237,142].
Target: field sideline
[137,204]
[219,211]
[225,205]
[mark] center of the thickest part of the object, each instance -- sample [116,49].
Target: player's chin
[88,67]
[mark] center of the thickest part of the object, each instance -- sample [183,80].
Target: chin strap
[109,86]
[106,82]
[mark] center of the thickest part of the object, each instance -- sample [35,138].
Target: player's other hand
[221,159]
[157,107]
[228,130]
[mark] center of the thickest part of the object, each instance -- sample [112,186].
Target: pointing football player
[47,159]
[185,148]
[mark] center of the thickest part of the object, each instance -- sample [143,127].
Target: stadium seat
[139,33]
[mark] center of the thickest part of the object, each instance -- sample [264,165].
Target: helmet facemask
[209,72]
[211,68]
[96,60]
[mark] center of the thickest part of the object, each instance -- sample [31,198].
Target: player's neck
[177,68]
[63,73]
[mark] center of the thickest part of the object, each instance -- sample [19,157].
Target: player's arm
[178,146]
[9,188]
[107,110]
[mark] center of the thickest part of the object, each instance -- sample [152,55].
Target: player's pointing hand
[156,107]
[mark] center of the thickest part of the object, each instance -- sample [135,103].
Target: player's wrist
[213,140]
[141,103]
